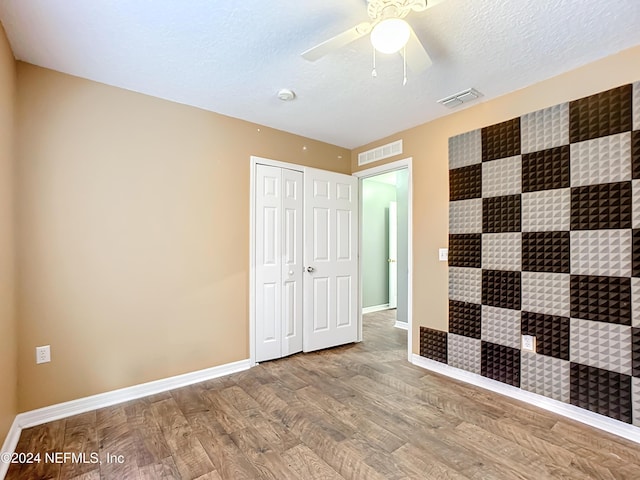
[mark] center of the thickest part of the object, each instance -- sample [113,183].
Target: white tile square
[548,293]
[502,251]
[546,376]
[635,207]
[465,216]
[635,400]
[464,353]
[601,252]
[546,211]
[635,302]
[465,149]
[601,345]
[601,160]
[636,106]
[544,129]
[465,284]
[501,326]
[502,177]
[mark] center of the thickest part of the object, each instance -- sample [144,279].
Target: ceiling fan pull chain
[374,74]
[404,65]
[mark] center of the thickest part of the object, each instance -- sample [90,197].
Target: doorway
[385,249]
[406,165]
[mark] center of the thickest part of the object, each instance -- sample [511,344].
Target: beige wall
[8,335]
[134,234]
[428,145]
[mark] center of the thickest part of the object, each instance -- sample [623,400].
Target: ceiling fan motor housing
[382,9]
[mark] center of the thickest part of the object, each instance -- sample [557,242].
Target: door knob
[390,261]
[310,269]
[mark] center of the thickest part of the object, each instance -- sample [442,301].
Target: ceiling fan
[389,32]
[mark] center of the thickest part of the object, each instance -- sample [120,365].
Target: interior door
[292,273]
[278,259]
[393,255]
[331,247]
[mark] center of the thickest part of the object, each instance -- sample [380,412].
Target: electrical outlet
[43,354]
[443,254]
[529,343]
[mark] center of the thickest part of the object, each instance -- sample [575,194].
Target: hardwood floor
[354,412]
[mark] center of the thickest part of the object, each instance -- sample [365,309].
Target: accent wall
[544,240]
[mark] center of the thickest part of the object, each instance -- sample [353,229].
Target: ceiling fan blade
[416,56]
[337,42]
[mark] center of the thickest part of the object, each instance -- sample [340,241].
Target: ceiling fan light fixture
[390,35]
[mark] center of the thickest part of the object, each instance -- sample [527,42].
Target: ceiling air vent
[380,153]
[468,95]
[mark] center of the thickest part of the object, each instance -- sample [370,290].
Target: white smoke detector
[286,95]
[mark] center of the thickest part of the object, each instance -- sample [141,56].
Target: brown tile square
[465,250]
[502,289]
[602,114]
[546,169]
[502,214]
[501,363]
[551,332]
[602,206]
[546,252]
[501,140]
[465,319]
[601,391]
[465,182]
[433,344]
[635,154]
[601,298]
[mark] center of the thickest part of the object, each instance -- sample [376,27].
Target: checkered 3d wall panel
[544,240]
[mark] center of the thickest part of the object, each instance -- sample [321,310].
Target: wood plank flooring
[354,412]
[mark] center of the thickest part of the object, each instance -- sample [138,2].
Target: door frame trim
[253,162]
[372,172]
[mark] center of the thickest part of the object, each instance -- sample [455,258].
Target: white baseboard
[375,308]
[587,417]
[402,325]
[101,400]
[86,404]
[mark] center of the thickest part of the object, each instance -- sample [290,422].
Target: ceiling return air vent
[380,153]
[465,96]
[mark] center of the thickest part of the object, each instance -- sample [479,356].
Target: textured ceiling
[232,57]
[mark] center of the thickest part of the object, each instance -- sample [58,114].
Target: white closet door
[331,246]
[278,230]
[268,262]
[292,274]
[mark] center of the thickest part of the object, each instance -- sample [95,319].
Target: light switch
[529,343]
[443,254]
